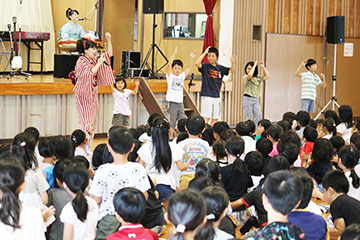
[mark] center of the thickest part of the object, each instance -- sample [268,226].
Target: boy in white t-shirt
[111,177]
[175,77]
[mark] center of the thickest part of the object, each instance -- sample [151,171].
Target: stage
[48,103]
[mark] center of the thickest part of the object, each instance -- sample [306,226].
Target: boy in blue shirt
[212,75]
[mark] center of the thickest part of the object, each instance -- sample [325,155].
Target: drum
[67,45]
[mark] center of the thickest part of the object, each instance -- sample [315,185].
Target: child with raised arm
[122,112]
[175,77]
[309,82]
[212,75]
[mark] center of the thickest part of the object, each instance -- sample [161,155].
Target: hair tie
[23,144]
[180,228]
[211,216]
[74,139]
[84,44]
[238,155]
[334,125]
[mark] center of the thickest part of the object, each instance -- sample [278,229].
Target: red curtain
[209,30]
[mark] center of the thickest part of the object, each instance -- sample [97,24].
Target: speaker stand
[152,50]
[333,99]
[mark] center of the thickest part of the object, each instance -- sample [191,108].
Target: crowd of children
[199,183]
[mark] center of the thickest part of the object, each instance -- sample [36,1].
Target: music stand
[152,50]
[333,99]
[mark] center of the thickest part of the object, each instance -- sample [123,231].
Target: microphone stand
[190,84]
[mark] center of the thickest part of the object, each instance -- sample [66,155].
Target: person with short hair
[130,204]
[344,210]
[194,148]
[212,75]
[282,193]
[309,82]
[175,76]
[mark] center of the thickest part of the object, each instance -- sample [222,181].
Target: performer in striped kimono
[91,72]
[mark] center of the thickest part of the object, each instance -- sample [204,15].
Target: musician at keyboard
[72,30]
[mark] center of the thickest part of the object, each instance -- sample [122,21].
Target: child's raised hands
[175,51]
[192,55]
[108,36]
[233,59]
[207,49]
[304,62]
[137,81]
[261,64]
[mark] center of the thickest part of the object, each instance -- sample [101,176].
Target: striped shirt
[69,30]
[309,83]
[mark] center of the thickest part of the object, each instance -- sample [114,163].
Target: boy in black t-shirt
[344,210]
[212,75]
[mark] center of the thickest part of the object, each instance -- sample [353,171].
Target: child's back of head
[23,148]
[284,124]
[201,182]
[264,146]
[322,151]
[310,134]
[255,162]
[45,148]
[130,204]
[336,180]
[303,118]
[274,132]
[308,186]
[332,114]
[349,158]
[181,125]
[208,168]
[208,134]
[77,137]
[76,177]
[283,191]
[219,150]
[277,163]
[235,146]
[289,116]
[252,126]
[351,232]
[227,134]
[186,211]
[219,127]
[81,160]
[217,201]
[62,147]
[243,129]
[290,151]
[97,158]
[121,140]
[289,137]
[337,142]
[34,132]
[59,169]
[195,125]
[182,136]
[330,126]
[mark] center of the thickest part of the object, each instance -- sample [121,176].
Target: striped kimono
[86,91]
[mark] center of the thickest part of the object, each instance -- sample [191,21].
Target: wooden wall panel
[283,89]
[119,17]
[309,16]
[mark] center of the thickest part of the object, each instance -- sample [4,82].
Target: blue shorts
[308,105]
[165,192]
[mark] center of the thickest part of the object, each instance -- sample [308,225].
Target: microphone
[82,19]
[106,63]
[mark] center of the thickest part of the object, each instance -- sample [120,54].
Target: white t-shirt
[194,151]
[31,225]
[35,184]
[39,158]
[353,192]
[221,235]
[82,230]
[79,151]
[147,154]
[121,104]
[175,87]
[250,144]
[346,132]
[110,178]
[145,138]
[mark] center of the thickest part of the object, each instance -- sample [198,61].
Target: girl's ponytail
[355,179]
[23,148]
[235,147]
[77,179]
[12,175]
[161,147]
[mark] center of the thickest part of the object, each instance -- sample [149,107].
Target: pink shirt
[274,151]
